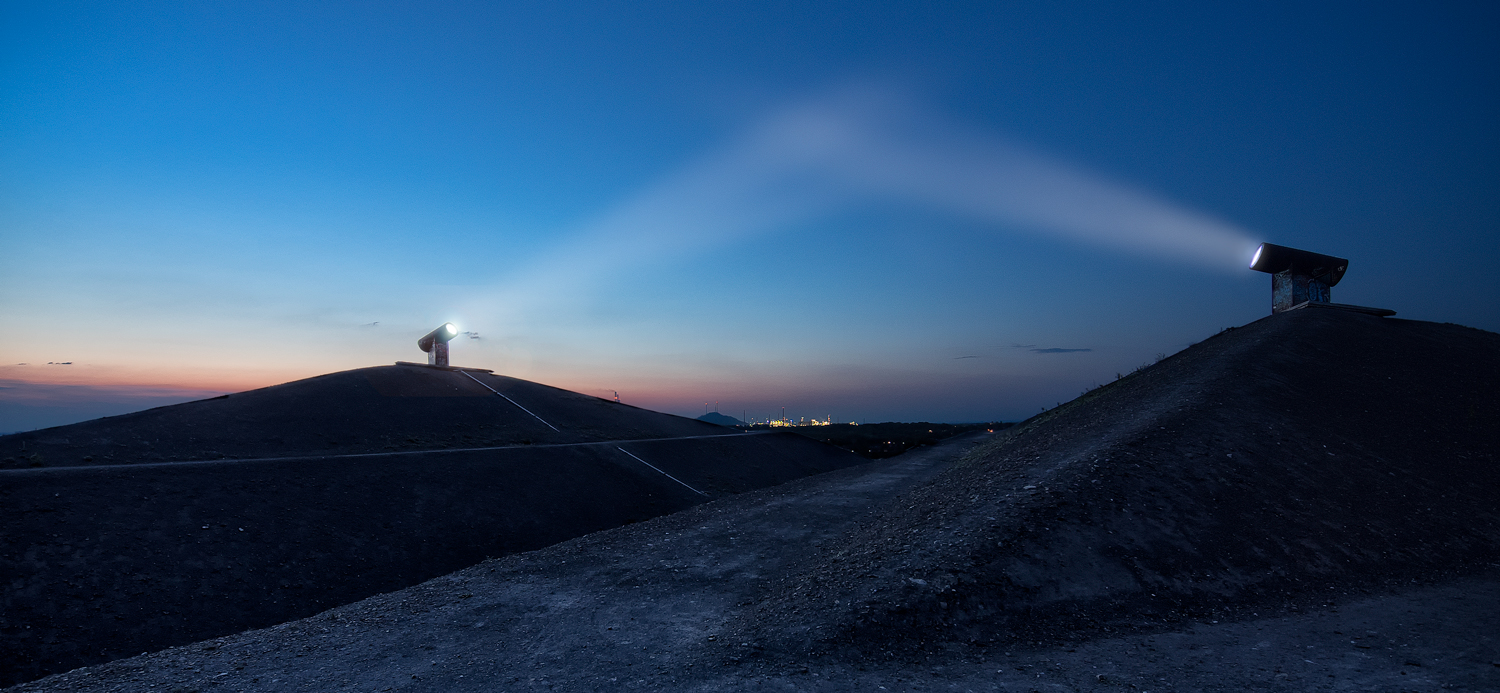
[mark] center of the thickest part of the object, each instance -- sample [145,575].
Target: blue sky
[873,211]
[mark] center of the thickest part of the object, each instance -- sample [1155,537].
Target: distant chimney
[1298,276]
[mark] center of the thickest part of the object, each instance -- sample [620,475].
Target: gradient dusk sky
[878,211]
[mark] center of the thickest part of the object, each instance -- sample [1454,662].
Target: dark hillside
[368,410]
[1308,503]
[881,440]
[1305,456]
[158,541]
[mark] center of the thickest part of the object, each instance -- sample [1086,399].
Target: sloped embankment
[366,410]
[1307,454]
[101,561]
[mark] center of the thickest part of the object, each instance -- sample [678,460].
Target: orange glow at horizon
[125,379]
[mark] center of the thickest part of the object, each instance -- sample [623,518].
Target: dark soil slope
[881,440]
[380,409]
[1310,453]
[103,561]
[1283,507]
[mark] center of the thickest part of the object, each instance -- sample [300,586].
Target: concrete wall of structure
[1288,289]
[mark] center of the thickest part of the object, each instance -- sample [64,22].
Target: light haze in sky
[902,211]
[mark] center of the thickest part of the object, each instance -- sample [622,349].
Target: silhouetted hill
[1171,528]
[1308,452]
[142,531]
[718,419]
[368,410]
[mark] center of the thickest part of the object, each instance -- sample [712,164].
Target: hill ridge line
[1183,394]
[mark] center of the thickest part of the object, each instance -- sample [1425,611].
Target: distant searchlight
[435,343]
[1298,276]
[442,335]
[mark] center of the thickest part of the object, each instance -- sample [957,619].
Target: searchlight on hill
[1302,278]
[1298,276]
[435,343]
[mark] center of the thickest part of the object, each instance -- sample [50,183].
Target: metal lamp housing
[1298,276]
[435,343]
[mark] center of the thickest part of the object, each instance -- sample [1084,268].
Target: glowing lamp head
[1298,276]
[438,336]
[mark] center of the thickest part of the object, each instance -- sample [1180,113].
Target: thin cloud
[1055,350]
[955,358]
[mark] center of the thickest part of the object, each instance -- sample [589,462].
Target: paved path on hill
[644,607]
[396,453]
